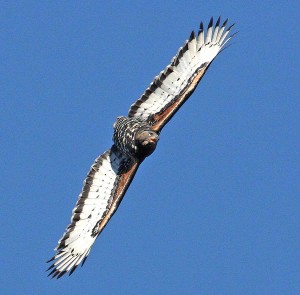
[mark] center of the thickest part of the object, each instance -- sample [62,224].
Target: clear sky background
[215,210]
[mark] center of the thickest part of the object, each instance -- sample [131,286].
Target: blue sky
[215,210]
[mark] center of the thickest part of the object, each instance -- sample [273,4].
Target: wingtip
[61,274]
[192,36]
[51,266]
[211,22]
[56,274]
[51,259]
[84,260]
[73,269]
[52,272]
[235,33]
[230,27]
[225,22]
[201,27]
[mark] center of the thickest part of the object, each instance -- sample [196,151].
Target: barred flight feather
[96,199]
[168,91]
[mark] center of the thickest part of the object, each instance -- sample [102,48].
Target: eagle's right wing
[103,190]
[174,85]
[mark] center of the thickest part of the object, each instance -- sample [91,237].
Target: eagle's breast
[134,137]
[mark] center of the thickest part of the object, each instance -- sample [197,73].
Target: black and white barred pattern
[179,79]
[98,195]
[124,132]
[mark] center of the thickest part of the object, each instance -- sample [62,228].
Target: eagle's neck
[134,137]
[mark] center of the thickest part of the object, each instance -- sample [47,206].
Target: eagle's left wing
[103,190]
[173,86]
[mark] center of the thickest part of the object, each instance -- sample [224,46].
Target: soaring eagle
[135,137]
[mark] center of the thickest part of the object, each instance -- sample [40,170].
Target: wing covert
[173,86]
[103,190]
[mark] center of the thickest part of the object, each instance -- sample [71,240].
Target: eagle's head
[146,141]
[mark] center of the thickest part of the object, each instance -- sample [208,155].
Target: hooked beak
[154,139]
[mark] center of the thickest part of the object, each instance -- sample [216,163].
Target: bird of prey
[135,137]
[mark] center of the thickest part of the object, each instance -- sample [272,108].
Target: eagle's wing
[173,86]
[103,190]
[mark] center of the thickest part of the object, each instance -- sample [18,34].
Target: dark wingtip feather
[201,28]
[233,34]
[225,22]
[84,260]
[73,269]
[230,27]
[53,271]
[55,274]
[61,274]
[50,259]
[51,266]
[218,22]
[192,36]
[211,22]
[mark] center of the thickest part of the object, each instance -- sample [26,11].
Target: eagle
[135,137]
